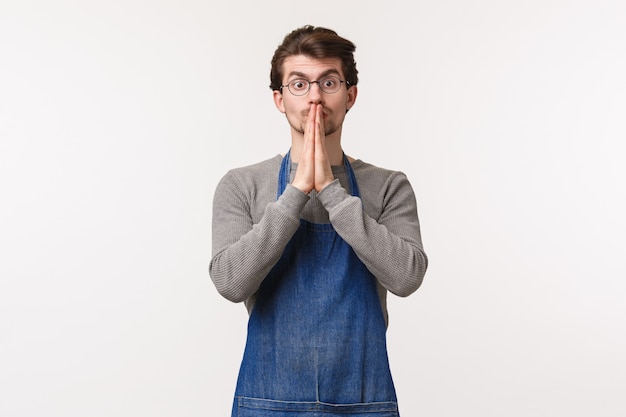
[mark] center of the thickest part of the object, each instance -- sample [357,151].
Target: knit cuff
[293,201]
[332,195]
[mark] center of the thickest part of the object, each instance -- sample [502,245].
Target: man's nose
[315,93]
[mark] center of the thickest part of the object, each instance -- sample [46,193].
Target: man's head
[318,43]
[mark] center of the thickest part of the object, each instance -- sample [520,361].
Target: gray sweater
[251,227]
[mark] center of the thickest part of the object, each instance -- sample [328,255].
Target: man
[312,242]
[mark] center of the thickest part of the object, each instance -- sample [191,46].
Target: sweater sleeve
[244,252]
[390,246]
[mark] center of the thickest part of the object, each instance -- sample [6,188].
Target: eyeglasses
[300,87]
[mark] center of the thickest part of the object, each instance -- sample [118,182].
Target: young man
[312,242]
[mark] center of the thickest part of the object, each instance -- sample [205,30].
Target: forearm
[391,249]
[244,253]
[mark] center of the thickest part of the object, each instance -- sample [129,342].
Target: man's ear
[352,93]
[278,100]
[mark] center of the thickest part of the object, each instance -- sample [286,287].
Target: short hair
[314,42]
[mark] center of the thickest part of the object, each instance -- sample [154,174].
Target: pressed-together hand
[314,171]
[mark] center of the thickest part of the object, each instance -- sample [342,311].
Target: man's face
[296,108]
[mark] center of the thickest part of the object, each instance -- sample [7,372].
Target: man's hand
[314,171]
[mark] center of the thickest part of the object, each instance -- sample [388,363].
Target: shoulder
[253,175]
[382,189]
[373,177]
[250,186]
[270,165]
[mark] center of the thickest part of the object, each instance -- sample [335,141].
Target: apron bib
[316,343]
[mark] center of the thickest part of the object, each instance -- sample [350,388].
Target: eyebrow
[322,75]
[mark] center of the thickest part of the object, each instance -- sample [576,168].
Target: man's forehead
[305,65]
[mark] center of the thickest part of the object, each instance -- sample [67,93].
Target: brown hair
[314,42]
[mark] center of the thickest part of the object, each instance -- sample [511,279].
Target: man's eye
[329,82]
[298,84]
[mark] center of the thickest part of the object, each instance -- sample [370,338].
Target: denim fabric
[316,337]
[255,407]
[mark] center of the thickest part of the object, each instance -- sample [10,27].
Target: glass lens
[330,84]
[299,87]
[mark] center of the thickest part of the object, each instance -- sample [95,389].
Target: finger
[320,114]
[319,119]
[319,132]
[323,170]
[311,118]
[304,178]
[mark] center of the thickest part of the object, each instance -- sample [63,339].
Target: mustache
[305,113]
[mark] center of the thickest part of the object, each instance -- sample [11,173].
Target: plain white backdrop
[118,118]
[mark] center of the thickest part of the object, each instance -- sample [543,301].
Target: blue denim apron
[316,341]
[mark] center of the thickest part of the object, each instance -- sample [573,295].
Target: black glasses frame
[318,82]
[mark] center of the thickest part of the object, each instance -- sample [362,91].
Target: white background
[118,118]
